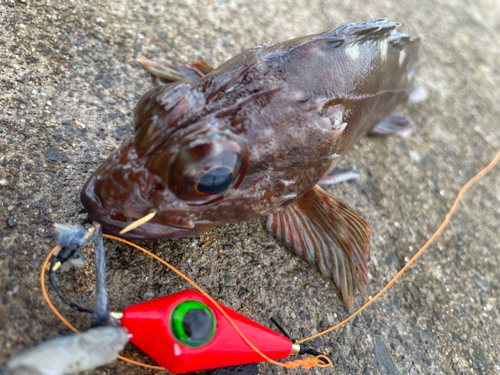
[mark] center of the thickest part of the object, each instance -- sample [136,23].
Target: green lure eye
[192,323]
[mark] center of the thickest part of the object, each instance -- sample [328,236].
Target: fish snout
[105,207]
[107,202]
[96,210]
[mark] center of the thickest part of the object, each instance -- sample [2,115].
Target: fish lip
[104,216]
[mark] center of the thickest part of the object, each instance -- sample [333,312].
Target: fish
[254,137]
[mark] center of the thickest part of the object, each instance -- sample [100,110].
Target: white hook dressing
[71,354]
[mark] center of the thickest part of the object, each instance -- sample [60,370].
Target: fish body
[253,138]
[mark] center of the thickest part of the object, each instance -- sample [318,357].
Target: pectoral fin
[328,234]
[393,125]
[165,73]
[338,175]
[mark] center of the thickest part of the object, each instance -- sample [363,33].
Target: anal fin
[392,125]
[328,234]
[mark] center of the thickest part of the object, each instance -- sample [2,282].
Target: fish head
[180,164]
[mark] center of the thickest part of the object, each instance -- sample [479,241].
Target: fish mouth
[113,221]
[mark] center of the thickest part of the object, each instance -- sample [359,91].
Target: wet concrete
[69,82]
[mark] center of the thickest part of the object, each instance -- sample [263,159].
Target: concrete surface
[63,64]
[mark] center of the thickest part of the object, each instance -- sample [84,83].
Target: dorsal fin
[164,73]
[365,31]
[371,30]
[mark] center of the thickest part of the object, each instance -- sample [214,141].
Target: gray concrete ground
[63,64]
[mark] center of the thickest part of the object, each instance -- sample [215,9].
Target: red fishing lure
[185,332]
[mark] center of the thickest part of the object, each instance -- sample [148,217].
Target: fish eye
[215,181]
[193,323]
[207,167]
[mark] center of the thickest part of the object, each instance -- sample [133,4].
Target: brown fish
[254,137]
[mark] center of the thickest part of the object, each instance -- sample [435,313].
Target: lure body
[185,332]
[254,137]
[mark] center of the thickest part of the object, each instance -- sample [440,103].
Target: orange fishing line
[307,362]
[206,295]
[420,252]
[68,324]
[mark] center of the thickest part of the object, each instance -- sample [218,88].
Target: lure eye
[207,167]
[192,323]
